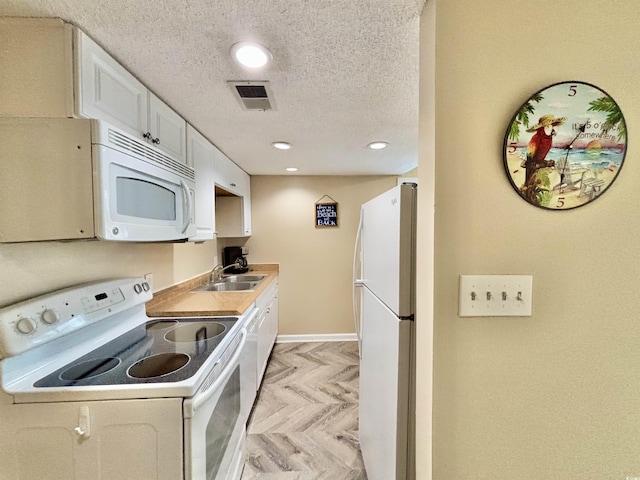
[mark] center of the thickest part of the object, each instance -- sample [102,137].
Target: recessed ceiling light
[282,145]
[251,55]
[378,145]
[291,169]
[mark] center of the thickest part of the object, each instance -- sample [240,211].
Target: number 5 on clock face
[565,145]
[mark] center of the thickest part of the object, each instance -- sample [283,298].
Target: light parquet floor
[304,425]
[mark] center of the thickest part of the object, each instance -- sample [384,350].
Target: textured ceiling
[344,74]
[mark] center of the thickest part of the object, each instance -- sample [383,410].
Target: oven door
[214,425]
[136,201]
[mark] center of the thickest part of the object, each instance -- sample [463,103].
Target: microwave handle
[187,212]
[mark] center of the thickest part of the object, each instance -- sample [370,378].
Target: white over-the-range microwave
[73,178]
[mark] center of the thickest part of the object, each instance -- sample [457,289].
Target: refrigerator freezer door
[384,390]
[388,246]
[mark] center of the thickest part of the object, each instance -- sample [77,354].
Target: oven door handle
[204,396]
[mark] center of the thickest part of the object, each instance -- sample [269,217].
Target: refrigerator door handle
[357,283]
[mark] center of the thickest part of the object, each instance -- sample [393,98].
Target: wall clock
[565,145]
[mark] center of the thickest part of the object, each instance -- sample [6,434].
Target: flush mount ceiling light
[282,145]
[377,145]
[291,169]
[250,54]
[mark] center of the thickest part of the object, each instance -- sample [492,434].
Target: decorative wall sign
[326,213]
[565,145]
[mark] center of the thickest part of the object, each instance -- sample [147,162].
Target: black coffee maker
[234,255]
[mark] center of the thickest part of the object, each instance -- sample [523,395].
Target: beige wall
[315,263]
[425,247]
[30,269]
[554,395]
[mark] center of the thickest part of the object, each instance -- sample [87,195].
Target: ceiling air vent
[253,95]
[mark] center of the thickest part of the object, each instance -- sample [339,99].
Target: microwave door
[136,201]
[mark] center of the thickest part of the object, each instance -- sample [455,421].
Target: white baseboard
[320,337]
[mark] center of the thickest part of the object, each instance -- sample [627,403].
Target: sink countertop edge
[179,301]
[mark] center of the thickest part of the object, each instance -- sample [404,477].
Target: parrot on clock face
[540,144]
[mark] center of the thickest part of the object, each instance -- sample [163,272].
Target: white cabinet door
[229,175]
[168,129]
[233,212]
[200,157]
[263,346]
[70,75]
[246,205]
[107,91]
[267,328]
[272,317]
[109,440]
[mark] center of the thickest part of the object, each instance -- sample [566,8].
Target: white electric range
[93,388]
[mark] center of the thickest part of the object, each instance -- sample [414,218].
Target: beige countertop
[179,301]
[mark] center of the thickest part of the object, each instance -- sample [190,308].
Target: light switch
[148,277]
[495,295]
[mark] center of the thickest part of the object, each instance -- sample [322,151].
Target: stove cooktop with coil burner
[167,350]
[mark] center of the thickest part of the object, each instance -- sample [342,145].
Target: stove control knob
[50,316]
[137,288]
[145,286]
[26,326]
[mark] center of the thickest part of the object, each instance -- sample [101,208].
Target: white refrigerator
[384,304]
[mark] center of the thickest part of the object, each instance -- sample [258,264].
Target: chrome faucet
[216,273]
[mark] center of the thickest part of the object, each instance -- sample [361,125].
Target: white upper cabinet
[246,206]
[168,129]
[51,69]
[233,212]
[109,92]
[229,175]
[201,157]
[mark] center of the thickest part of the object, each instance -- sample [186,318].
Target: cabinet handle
[156,141]
[84,423]
[233,184]
[147,135]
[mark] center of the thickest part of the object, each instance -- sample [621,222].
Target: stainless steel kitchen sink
[242,278]
[232,283]
[226,287]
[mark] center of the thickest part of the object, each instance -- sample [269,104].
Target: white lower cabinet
[267,327]
[109,440]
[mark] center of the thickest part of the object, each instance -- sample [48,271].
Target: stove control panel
[93,303]
[28,324]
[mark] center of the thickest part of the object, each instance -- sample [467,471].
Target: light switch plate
[148,277]
[495,295]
